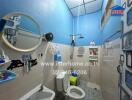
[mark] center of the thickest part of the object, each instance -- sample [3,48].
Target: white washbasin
[35,94]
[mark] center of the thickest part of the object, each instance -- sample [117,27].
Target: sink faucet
[41,88]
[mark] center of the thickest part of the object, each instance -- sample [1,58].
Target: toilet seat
[75,92]
[70,92]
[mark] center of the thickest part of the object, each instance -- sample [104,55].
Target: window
[107,13]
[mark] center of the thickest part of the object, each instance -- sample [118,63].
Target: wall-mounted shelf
[93,47]
[93,55]
[6,75]
[93,59]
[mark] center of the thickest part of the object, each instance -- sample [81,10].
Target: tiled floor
[91,93]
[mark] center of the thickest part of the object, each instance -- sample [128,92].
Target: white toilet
[70,92]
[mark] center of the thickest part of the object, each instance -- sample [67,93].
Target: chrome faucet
[41,88]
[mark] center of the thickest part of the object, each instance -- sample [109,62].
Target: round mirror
[21,32]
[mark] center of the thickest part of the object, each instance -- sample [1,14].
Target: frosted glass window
[129,17]
[128,79]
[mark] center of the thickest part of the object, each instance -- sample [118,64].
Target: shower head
[81,37]
[75,35]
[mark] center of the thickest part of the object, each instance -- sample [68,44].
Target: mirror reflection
[21,32]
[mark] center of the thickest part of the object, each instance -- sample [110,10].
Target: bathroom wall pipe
[72,53]
[44,59]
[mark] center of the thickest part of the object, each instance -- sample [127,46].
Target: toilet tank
[62,81]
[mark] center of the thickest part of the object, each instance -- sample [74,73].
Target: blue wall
[89,26]
[113,25]
[52,15]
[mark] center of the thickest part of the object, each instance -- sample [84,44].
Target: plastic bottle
[57,56]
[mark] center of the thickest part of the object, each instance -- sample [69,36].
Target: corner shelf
[5,75]
[6,62]
[93,55]
[9,75]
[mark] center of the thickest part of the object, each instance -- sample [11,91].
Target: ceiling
[82,7]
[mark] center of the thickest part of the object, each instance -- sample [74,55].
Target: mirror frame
[18,49]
